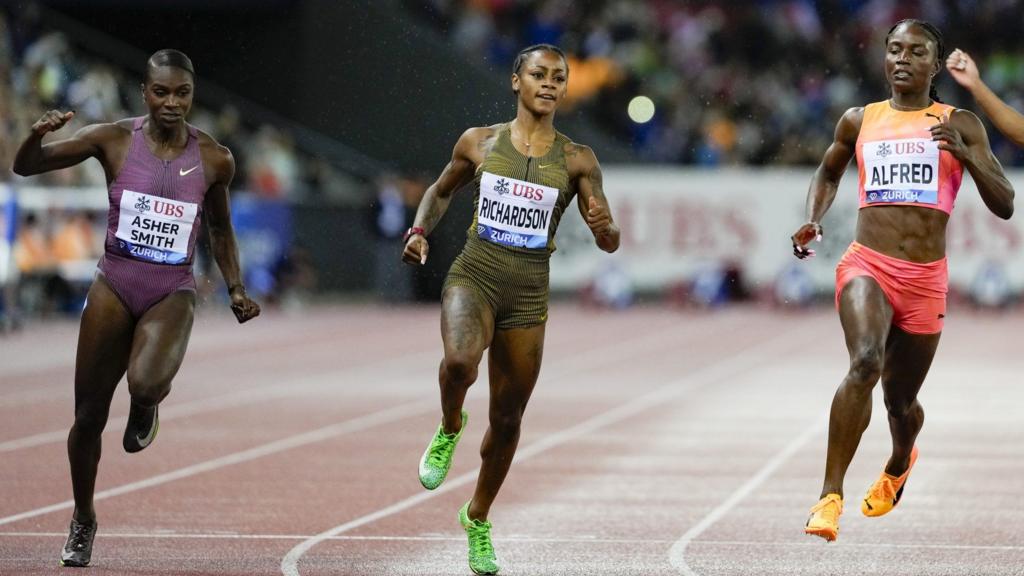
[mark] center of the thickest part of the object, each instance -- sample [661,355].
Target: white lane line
[677,554]
[593,539]
[565,366]
[716,372]
[328,382]
[325,382]
[338,429]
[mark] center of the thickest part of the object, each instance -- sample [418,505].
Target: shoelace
[480,539]
[442,451]
[884,489]
[80,534]
[830,510]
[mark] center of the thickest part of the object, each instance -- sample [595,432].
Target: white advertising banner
[676,222]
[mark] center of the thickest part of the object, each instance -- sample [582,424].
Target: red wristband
[414,230]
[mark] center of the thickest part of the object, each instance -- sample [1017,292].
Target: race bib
[513,212]
[901,171]
[155,229]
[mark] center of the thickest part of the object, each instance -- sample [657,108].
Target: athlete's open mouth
[901,75]
[546,97]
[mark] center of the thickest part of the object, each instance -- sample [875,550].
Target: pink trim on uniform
[916,292]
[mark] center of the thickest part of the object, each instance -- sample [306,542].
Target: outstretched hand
[52,121]
[244,308]
[803,236]
[963,69]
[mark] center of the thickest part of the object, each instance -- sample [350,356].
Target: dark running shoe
[78,549]
[143,424]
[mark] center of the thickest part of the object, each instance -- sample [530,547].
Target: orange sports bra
[900,164]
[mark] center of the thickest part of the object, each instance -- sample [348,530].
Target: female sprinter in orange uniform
[891,283]
[524,175]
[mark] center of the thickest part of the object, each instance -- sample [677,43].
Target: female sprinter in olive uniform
[163,177]
[891,284]
[524,174]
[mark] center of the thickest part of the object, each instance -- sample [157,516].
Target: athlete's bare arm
[825,182]
[1007,120]
[469,152]
[963,136]
[219,167]
[585,172]
[100,141]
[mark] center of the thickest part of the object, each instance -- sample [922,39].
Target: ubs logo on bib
[142,205]
[501,186]
[884,150]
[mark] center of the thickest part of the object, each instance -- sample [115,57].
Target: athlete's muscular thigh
[161,338]
[467,324]
[104,343]
[907,360]
[515,359]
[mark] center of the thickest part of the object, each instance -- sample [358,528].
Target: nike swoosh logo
[543,166]
[183,172]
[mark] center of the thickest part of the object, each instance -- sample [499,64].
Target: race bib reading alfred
[901,171]
[155,229]
[513,212]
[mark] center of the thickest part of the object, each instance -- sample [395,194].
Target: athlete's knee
[148,389]
[91,419]
[506,423]
[866,366]
[903,407]
[460,368]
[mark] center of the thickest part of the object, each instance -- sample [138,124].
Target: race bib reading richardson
[155,229]
[513,212]
[901,171]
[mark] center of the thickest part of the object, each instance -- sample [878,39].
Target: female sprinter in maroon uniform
[163,176]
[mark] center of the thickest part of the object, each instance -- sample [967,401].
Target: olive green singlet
[517,204]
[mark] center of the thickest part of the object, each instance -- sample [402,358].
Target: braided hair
[940,47]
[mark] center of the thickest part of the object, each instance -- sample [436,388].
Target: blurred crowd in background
[750,82]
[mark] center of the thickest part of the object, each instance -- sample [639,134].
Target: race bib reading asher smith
[513,212]
[901,171]
[155,229]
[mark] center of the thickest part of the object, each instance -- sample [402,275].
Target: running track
[657,442]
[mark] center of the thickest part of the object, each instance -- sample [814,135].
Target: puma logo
[183,172]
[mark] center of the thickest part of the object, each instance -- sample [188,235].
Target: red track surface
[657,442]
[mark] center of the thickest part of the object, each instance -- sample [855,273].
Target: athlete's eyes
[537,75]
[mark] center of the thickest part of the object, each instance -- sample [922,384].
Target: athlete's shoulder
[215,155]
[848,127]
[209,145]
[480,133]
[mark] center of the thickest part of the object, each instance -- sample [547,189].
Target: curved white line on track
[677,554]
[339,429]
[578,539]
[329,381]
[587,359]
[716,372]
